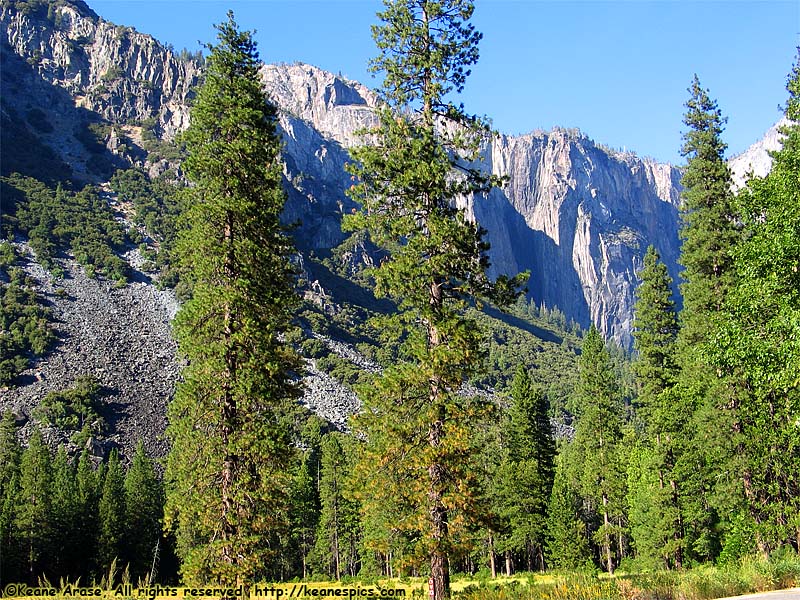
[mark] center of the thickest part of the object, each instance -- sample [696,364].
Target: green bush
[74,409]
[25,330]
[59,219]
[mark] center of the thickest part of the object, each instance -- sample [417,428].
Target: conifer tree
[759,340]
[709,231]
[709,228]
[34,511]
[228,471]
[657,528]
[655,328]
[528,469]
[9,449]
[305,505]
[408,180]
[597,438]
[144,508]
[338,530]
[567,540]
[10,452]
[11,551]
[65,517]
[304,511]
[111,513]
[89,488]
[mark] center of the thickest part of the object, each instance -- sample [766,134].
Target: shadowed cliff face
[589,215]
[578,216]
[111,70]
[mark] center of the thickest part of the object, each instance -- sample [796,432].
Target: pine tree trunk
[607,543]
[493,563]
[440,567]
[336,560]
[229,532]
[508,563]
[529,552]
[678,532]
[440,564]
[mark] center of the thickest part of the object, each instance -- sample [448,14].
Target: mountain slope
[579,216]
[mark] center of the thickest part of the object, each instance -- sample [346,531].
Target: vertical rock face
[582,217]
[114,71]
[577,215]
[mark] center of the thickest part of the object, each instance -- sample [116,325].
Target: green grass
[706,582]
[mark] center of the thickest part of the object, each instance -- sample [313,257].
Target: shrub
[75,408]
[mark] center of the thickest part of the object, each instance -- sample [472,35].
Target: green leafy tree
[144,508]
[111,512]
[758,340]
[34,514]
[419,161]
[228,472]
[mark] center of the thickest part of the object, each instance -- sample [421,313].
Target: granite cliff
[96,96]
[756,160]
[577,215]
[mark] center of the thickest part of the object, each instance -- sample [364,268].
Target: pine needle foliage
[710,230]
[418,162]
[227,474]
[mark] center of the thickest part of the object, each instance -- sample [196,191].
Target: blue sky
[616,70]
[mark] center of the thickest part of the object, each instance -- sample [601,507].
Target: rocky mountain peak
[335,106]
[756,160]
[113,71]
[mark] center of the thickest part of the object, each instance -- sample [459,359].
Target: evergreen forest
[585,458]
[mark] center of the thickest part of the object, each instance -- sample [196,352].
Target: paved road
[792,594]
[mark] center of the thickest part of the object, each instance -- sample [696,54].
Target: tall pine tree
[65,517]
[709,231]
[10,555]
[34,515]
[655,517]
[228,470]
[526,475]
[338,530]
[567,534]
[89,489]
[655,329]
[408,180]
[111,511]
[596,446]
[144,508]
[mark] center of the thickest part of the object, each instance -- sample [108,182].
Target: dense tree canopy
[228,472]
